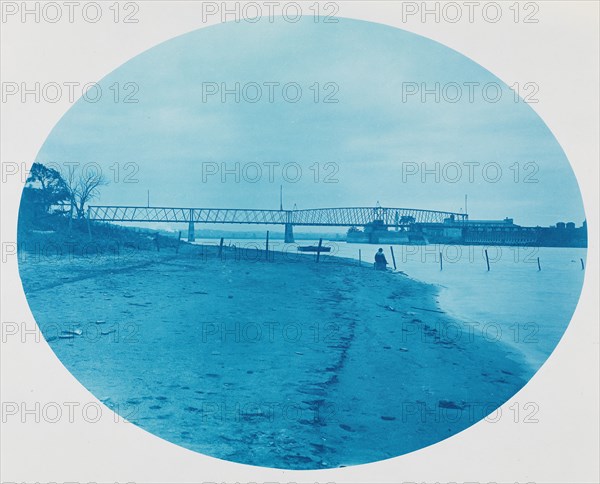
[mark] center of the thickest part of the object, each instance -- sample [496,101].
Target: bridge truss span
[361,216]
[330,217]
[315,217]
[114,213]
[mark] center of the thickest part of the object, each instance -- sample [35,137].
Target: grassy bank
[56,236]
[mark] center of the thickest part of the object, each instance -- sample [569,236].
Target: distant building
[473,232]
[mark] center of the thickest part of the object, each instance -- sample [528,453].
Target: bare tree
[82,188]
[70,178]
[88,188]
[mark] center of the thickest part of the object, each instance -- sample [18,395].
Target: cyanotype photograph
[303,243]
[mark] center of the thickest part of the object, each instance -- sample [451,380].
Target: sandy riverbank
[285,363]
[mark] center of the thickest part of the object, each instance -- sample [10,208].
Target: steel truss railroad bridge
[314,217]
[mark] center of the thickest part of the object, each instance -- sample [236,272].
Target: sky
[376,144]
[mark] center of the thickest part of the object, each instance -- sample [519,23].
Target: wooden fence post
[319,249]
[393,257]
[267,247]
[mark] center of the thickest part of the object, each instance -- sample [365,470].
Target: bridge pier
[191,234]
[289,234]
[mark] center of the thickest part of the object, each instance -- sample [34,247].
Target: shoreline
[281,364]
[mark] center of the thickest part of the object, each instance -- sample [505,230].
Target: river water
[514,302]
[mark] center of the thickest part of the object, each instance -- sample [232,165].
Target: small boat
[313,248]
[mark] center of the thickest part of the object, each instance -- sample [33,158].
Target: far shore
[284,362]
